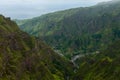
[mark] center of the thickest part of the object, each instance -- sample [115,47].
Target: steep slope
[23,57]
[80,30]
[103,66]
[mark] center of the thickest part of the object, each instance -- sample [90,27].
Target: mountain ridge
[79,30]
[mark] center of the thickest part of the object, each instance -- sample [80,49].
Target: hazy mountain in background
[77,30]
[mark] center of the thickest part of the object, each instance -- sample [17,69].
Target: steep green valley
[23,57]
[79,30]
[75,44]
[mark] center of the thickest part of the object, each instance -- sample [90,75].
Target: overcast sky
[22,9]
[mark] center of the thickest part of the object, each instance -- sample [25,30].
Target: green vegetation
[103,66]
[79,30]
[23,57]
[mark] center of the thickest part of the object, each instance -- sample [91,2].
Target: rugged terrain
[88,35]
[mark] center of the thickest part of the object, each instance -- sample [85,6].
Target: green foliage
[23,57]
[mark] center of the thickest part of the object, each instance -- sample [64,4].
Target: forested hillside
[78,30]
[23,57]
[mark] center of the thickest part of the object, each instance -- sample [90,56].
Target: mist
[23,9]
